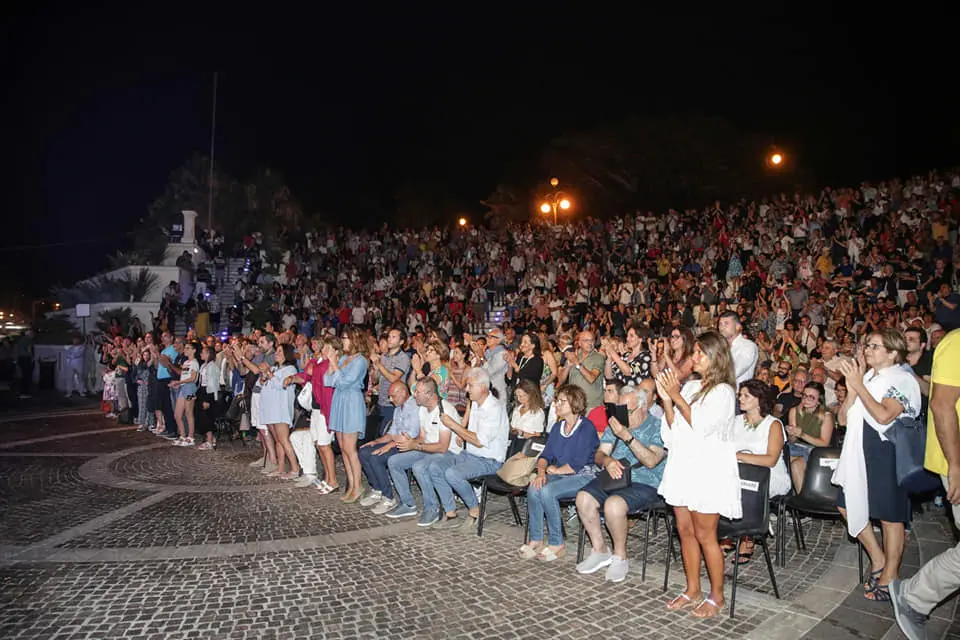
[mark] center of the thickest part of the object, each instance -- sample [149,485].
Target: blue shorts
[187,391]
[798,450]
[637,496]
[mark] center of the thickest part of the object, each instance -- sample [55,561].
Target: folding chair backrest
[754,500]
[533,447]
[817,486]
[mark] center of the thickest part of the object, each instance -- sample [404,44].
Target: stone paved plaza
[109,533]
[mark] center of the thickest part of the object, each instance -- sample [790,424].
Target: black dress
[887,501]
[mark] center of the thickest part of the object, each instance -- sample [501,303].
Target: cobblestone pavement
[116,534]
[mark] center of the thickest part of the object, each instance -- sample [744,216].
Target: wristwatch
[630,441]
[577,367]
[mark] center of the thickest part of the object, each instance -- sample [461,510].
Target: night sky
[101,105]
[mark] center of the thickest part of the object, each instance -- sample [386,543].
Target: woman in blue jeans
[563,469]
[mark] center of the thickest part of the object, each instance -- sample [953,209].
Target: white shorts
[318,428]
[255,412]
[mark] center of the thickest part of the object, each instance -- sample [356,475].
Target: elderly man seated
[485,433]
[434,442]
[375,454]
[638,442]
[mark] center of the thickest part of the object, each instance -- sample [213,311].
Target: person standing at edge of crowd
[914,599]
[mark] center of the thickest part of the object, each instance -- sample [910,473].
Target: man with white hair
[485,433]
[636,449]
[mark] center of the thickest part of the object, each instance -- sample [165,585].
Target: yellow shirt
[946,371]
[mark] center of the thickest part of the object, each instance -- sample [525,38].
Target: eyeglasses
[675,336]
[873,346]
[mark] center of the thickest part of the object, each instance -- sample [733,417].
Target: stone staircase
[496,317]
[224,295]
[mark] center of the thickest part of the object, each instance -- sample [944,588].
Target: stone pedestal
[189,227]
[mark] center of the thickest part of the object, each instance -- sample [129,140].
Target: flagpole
[213,137]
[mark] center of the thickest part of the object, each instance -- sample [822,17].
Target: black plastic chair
[755,502]
[818,497]
[532,447]
[779,504]
[654,511]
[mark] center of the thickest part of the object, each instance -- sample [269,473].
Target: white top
[431,426]
[701,472]
[489,421]
[210,378]
[756,441]
[745,353]
[190,367]
[529,422]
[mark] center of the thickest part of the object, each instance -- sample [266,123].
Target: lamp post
[555,200]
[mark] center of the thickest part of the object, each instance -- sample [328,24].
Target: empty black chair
[818,497]
[755,501]
[532,447]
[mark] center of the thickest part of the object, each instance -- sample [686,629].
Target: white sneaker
[187,442]
[372,498]
[304,481]
[385,505]
[594,562]
[617,571]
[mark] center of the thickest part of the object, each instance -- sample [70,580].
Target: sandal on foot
[880,593]
[871,582]
[290,475]
[682,601]
[528,552]
[549,555]
[700,612]
[745,556]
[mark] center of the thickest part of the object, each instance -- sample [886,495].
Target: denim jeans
[386,415]
[452,473]
[399,465]
[375,467]
[546,501]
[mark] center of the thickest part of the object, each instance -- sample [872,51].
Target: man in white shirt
[743,350]
[485,436]
[434,442]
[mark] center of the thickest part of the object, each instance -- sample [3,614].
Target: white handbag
[305,397]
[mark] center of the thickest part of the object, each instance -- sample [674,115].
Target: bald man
[375,454]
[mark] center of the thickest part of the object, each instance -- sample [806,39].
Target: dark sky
[102,104]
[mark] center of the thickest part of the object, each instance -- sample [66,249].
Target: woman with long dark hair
[276,407]
[701,479]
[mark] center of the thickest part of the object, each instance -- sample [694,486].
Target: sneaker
[257,463]
[594,562]
[912,623]
[617,571]
[402,511]
[385,504]
[372,498]
[305,481]
[170,436]
[178,442]
[428,518]
[449,523]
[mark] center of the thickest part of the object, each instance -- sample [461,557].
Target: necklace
[751,424]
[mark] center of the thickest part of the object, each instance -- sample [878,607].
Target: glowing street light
[555,200]
[776,159]
[462,222]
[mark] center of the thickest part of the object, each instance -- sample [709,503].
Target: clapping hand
[406,443]
[668,386]
[852,371]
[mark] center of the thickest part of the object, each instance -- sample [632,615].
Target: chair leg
[860,559]
[736,572]
[483,508]
[782,533]
[646,544]
[516,511]
[798,530]
[773,578]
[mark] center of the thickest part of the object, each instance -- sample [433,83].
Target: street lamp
[462,222]
[776,159]
[555,200]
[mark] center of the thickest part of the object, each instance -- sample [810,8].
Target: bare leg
[284,446]
[690,549]
[870,544]
[894,537]
[589,510]
[268,442]
[178,410]
[615,513]
[798,467]
[705,525]
[188,411]
[351,461]
[329,464]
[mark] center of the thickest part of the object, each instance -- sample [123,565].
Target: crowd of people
[728,333]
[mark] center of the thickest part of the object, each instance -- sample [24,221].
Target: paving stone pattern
[315,567]
[40,497]
[213,518]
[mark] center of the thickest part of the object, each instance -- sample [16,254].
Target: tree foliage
[129,286]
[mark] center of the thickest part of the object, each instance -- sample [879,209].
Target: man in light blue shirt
[165,374]
[375,455]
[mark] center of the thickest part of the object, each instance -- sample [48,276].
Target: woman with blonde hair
[701,479]
[348,411]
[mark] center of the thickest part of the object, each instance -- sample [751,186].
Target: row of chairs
[817,498]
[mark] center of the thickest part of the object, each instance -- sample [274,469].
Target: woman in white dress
[701,480]
[758,439]
[276,408]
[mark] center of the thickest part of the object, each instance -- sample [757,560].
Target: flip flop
[707,613]
[549,555]
[528,553]
[682,601]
